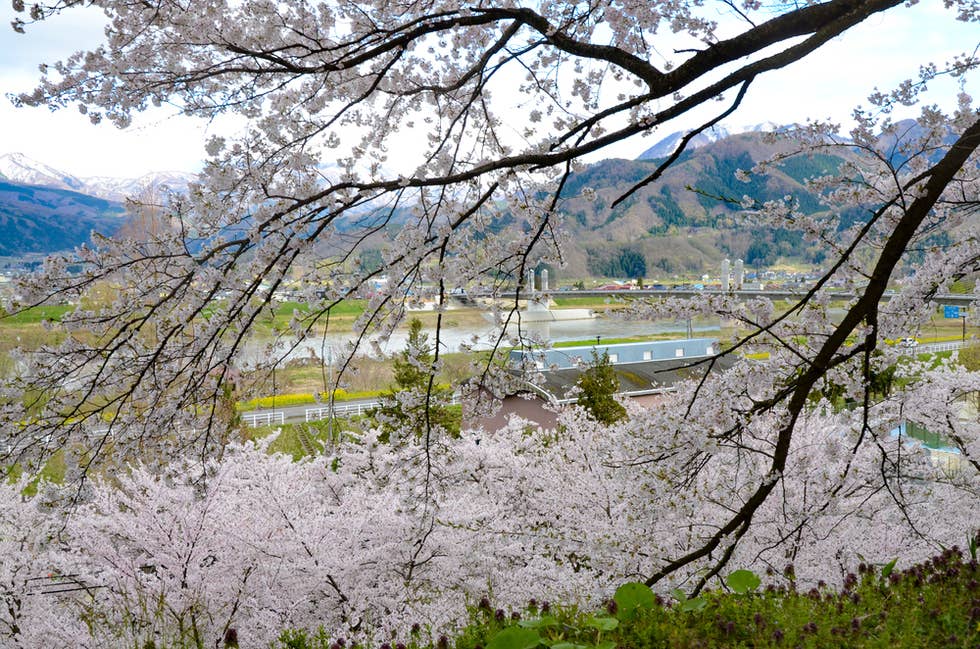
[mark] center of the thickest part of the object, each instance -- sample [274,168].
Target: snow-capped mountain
[18,168]
[669,144]
[118,189]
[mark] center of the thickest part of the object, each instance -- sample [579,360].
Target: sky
[879,53]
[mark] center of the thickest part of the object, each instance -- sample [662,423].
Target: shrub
[933,604]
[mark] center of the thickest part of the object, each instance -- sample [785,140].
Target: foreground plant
[932,604]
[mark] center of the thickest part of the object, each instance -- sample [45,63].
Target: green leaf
[606,644]
[887,570]
[679,595]
[515,638]
[564,644]
[632,597]
[602,623]
[743,581]
[973,546]
[542,622]
[693,605]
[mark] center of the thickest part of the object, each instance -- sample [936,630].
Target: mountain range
[45,210]
[18,168]
[689,219]
[669,144]
[42,220]
[678,225]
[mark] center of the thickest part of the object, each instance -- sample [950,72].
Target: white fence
[341,409]
[254,419]
[352,409]
[932,348]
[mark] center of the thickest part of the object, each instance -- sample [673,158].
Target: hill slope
[44,219]
[679,223]
[675,225]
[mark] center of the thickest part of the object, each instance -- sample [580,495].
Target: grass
[372,376]
[933,604]
[346,310]
[25,330]
[588,342]
[35,315]
[315,437]
[583,302]
[53,471]
[304,440]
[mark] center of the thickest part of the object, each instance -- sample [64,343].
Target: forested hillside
[690,218]
[44,220]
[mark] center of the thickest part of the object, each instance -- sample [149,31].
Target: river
[451,339]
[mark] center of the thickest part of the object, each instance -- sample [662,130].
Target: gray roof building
[560,358]
[642,368]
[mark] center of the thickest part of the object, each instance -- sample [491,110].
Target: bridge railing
[932,348]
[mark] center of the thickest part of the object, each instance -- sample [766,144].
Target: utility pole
[330,391]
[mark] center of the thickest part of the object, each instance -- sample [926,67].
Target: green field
[35,315]
[347,310]
[586,302]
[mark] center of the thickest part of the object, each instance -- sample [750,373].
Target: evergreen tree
[598,384]
[416,402]
[413,366]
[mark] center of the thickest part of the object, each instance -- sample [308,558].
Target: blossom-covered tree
[31,582]
[341,82]
[379,537]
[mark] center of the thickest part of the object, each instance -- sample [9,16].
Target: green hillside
[44,220]
[689,219]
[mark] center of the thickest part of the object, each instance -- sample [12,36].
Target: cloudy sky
[879,53]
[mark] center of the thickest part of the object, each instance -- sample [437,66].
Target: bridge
[952,299]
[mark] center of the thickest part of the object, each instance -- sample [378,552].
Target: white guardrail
[352,409]
[932,348]
[255,419]
[348,409]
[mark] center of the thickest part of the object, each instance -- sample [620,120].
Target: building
[557,358]
[645,370]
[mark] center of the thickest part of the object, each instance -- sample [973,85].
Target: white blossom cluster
[786,459]
[377,537]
